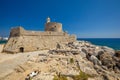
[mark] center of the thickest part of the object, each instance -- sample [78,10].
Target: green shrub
[55,78]
[71,60]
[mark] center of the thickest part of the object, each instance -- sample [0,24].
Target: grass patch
[60,77]
[81,76]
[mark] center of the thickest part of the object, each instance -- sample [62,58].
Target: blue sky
[85,18]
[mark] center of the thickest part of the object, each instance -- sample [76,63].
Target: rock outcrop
[78,60]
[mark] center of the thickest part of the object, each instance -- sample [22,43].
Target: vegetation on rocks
[71,60]
[60,77]
[81,76]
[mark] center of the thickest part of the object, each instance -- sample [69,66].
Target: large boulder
[95,60]
[108,50]
[107,60]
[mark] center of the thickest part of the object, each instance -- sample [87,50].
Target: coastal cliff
[79,60]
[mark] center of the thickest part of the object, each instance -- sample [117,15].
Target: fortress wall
[34,43]
[12,44]
[25,41]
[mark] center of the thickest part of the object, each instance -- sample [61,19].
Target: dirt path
[8,62]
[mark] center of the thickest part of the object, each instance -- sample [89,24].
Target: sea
[3,41]
[110,42]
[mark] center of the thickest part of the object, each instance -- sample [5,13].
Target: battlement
[20,31]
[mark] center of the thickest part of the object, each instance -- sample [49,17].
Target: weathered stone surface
[95,60]
[1,47]
[117,53]
[71,58]
[109,50]
[83,55]
[107,60]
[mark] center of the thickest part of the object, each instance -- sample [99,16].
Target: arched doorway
[21,49]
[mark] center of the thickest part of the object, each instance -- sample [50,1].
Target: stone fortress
[21,40]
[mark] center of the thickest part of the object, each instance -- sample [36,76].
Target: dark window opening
[21,49]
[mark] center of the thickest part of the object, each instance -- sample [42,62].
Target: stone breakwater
[79,60]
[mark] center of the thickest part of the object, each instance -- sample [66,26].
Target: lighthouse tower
[48,19]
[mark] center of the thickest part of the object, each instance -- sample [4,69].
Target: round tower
[53,26]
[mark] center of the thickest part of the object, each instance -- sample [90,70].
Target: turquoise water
[110,42]
[3,41]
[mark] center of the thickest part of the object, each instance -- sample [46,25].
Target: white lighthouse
[48,19]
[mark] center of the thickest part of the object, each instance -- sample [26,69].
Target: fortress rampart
[21,40]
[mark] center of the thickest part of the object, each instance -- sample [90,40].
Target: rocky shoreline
[79,60]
